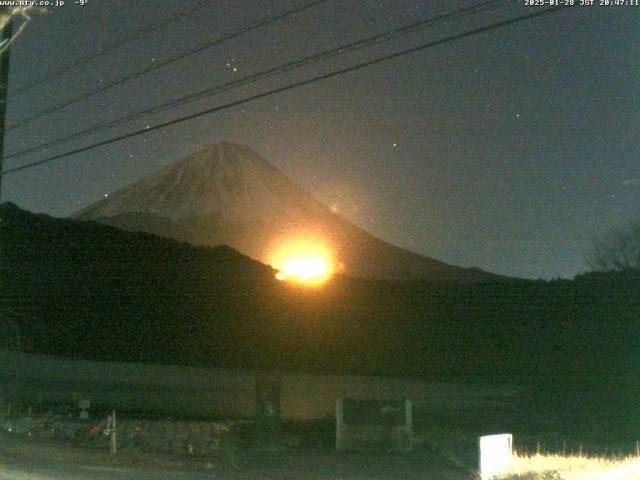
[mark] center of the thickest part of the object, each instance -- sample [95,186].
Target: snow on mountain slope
[228,180]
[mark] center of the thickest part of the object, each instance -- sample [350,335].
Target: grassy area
[572,467]
[533,458]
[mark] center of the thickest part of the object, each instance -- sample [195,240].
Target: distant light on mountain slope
[303,261]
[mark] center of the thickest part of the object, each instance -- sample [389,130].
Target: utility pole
[7,33]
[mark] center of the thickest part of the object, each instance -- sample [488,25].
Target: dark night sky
[509,150]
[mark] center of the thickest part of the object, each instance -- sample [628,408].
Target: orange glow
[302,261]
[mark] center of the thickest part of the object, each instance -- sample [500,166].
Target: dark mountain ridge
[84,290]
[109,294]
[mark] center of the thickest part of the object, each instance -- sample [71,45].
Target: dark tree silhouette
[619,251]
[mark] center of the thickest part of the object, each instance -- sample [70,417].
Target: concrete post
[114,445]
[339,424]
[408,422]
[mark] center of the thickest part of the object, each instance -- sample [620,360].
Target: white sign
[495,454]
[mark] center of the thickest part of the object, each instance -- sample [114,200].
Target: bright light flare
[303,262]
[305,268]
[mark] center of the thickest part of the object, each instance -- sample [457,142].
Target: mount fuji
[228,194]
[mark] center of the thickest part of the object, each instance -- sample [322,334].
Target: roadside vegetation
[572,467]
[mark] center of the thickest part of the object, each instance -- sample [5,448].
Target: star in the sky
[232,65]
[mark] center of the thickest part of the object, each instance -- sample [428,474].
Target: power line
[154,66]
[348,48]
[290,86]
[129,38]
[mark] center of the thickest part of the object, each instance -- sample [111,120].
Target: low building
[42,380]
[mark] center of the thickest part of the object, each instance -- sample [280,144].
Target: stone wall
[162,436]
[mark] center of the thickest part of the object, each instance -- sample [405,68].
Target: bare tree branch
[618,251]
